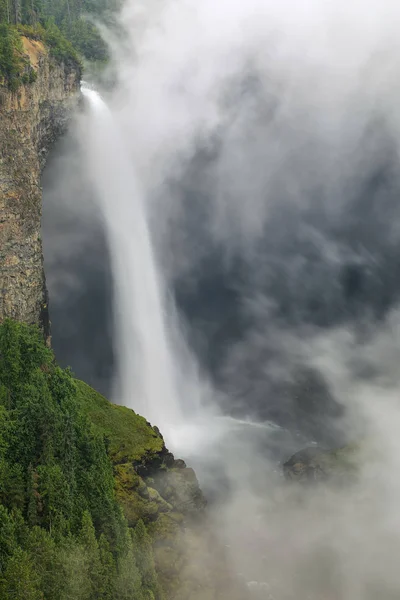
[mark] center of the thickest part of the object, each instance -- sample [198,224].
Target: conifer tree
[92,564]
[62,534]
[143,551]
[105,589]
[128,583]
[20,580]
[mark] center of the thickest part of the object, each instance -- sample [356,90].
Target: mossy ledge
[149,481]
[131,438]
[163,492]
[152,486]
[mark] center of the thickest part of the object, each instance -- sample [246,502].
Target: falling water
[152,378]
[147,377]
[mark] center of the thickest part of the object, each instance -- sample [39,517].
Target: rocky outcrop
[315,464]
[152,485]
[30,120]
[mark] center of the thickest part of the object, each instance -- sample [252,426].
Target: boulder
[315,464]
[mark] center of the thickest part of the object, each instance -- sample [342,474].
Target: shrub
[12,61]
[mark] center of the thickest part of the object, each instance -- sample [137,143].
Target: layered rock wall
[30,120]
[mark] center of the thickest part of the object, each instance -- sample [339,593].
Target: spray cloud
[277,126]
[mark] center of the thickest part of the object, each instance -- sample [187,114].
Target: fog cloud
[263,138]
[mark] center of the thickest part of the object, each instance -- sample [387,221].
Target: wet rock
[315,464]
[181,489]
[305,465]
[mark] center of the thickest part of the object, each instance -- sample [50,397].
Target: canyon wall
[31,118]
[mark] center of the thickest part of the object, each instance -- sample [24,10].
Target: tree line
[62,533]
[67,26]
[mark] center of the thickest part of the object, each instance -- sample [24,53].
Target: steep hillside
[62,533]
[151,485]
[92,504]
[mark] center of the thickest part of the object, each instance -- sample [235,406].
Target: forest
[62,533]
[68,27]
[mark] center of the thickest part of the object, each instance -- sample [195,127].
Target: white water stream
[152,378]
[147,378]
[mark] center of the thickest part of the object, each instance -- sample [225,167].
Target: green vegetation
[60,47]
[65,26]
[62,532]
[130,441]
[14,66]
[129,435]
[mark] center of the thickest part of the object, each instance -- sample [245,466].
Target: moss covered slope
[131,438]
[151,486]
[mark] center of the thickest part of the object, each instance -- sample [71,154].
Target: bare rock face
[30,120]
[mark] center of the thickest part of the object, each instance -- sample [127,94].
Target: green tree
[128,582]
[105,589]
[87,538]
[14,486]
[8,541]
[33,495]
[56,504]
[77,585]
[4,11]
[20,580]
[144,557]
[44,555]
[10,364]
[15,11]
[62,534]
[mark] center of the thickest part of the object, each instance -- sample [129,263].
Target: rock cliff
[150,484]
[30,120]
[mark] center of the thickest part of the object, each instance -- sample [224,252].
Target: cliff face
[150,485]
[30,120]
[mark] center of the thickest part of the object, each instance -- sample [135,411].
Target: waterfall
[155,378]
[147,375]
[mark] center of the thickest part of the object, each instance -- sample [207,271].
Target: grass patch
[130,437]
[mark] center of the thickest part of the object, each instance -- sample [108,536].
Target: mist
[77,268]
[258,145]
[261,134]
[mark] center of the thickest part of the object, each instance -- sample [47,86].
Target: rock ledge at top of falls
[31,118]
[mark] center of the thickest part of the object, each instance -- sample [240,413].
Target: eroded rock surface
[30,120]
